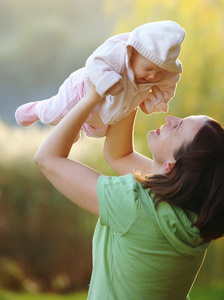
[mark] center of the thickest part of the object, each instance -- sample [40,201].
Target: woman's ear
[168,166]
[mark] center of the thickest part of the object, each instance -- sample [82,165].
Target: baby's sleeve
[168,87]
[107,63]
[159,96]
[118,202]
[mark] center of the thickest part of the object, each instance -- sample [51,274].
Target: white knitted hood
[159,42]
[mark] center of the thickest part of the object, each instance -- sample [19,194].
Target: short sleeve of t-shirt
[118,201]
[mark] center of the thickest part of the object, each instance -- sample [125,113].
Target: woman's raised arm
[73,179]
[119,150]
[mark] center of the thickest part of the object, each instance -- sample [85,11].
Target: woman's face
[169,137]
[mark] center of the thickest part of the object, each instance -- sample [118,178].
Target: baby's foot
[25,114]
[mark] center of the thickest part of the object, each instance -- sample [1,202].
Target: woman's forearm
[73,179]
[119,139]
[61,139]
[119,149]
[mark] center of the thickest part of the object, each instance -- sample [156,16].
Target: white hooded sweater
[160,42]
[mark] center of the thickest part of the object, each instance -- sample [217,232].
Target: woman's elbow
[111,159]
[40,160]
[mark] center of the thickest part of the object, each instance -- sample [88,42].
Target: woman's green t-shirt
[140,252]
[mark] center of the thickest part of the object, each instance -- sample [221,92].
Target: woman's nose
[169,119]
[172,120]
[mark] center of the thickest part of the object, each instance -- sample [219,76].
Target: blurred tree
[42,43]
[201,88]
[44,238]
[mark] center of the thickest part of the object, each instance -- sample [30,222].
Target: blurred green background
[45,241]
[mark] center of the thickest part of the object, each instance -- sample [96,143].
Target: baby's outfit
[159,42]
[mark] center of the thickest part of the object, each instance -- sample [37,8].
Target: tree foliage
[201,88]
[45,242]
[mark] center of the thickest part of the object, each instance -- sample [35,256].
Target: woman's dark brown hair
[196,181]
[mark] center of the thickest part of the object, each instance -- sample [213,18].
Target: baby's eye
[160,72]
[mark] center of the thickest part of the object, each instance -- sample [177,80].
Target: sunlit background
[45,241]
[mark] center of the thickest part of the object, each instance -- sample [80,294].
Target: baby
[140,68]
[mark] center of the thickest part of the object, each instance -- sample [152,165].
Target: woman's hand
[116,89]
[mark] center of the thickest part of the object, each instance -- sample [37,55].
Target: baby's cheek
[159,77]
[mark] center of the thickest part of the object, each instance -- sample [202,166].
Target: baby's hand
[154,102]
[116,89]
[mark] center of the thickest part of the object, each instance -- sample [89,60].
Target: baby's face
[144,70]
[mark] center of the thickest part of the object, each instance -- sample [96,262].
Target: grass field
[198,293]
[207,293]
[7,295]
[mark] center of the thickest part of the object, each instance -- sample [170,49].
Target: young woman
[155,225]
